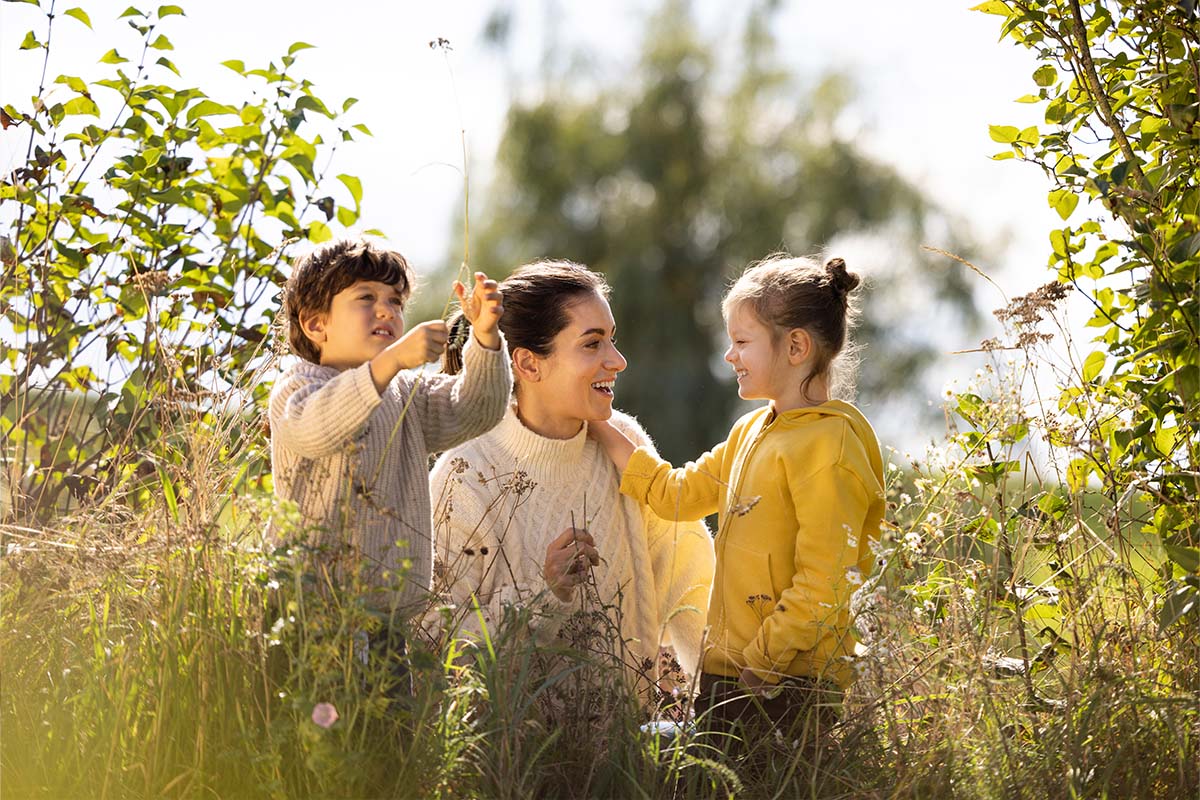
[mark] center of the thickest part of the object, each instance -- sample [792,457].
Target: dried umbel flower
[1030,309]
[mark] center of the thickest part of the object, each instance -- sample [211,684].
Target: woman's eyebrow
[590,331]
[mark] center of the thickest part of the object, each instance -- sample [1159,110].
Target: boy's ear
[800,346]
[313,325]
[526,365]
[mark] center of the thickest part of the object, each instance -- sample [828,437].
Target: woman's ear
[312,323]
[526,365]
[800,346]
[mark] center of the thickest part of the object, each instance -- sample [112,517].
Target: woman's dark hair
[787,293]
[318,276]
[536,299]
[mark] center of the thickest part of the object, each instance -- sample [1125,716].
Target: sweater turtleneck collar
[535,453]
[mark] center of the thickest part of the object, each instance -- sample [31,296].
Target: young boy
[352,428]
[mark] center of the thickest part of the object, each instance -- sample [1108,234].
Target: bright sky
[931,77]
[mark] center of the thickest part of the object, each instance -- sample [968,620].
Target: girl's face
[761,367]
[575,381]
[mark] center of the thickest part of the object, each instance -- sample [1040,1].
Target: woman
[531,515]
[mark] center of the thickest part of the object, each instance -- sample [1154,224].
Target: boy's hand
[422,344]
[482,309]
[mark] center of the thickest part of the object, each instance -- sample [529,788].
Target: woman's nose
[617,360]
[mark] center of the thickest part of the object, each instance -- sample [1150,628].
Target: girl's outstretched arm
[616,444]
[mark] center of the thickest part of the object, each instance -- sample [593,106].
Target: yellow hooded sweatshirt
[799,496]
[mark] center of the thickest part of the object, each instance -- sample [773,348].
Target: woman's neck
[537,418]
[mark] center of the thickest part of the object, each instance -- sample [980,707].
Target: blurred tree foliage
[141,238]
[1120,82]
[673,178]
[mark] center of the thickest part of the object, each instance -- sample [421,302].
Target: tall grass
[152,646]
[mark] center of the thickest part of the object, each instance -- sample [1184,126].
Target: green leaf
[1182,599]
[363,129]
[1093,365]
[167,11]
[166,62]
[237,66]
[350,101]
[993,7]
[1058,243]
[81,105]
[319,232]
[113,57]
[30,42]
[76,84]
[131,12]
[161,43]
[355,186]
[1045,75]
[298,46]
[1005,134]
[79,14]
[1030,135]
[346,216]
[1186,557]
[1064,202]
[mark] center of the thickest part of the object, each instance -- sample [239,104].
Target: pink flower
[324,714]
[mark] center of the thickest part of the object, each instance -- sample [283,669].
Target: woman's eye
[592,345]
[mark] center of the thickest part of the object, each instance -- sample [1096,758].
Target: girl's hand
[569,558]
[616,445]
[482,309]
[755,684]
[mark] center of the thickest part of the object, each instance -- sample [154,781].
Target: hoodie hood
[845,411]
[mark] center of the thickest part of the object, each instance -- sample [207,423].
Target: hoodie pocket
[749,596]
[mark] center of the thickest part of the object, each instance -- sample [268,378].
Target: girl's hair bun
[841,281]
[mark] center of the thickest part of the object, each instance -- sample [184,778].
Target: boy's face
[363,319]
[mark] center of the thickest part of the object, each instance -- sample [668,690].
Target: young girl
[798,486]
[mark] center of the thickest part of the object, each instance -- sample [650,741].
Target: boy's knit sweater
[356,463]
[501,499]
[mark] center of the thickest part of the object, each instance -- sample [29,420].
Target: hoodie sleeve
[690,492]
[831,509]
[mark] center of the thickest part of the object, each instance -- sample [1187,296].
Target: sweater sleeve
[685,493]
[456,408]
[315,412]
[826,547]
[682,563]
[474,565]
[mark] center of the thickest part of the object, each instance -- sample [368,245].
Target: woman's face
[576,380]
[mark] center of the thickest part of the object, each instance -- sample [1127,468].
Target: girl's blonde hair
[787,292]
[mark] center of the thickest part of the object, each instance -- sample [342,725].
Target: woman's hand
[569,559]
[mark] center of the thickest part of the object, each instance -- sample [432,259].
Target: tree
[673,185]
[141,243]
[1119,82]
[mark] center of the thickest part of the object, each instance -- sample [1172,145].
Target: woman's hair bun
[841,281]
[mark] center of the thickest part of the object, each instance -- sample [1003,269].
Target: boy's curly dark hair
[319,275]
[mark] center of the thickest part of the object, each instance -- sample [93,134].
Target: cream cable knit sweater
[499,501]
[359,472]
